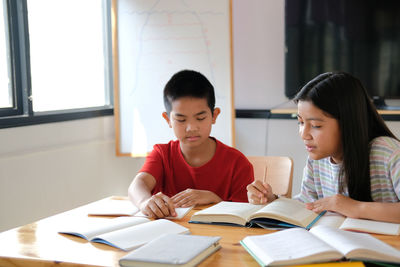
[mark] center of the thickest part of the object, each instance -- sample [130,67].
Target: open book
[125,233]
[283,212]
[124,207]
[359,225]
[172,250]
[286,213]
[320,244]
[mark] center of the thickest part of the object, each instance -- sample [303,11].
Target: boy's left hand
[337,203]
[191,197]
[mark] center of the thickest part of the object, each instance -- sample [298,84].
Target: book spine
[252,254]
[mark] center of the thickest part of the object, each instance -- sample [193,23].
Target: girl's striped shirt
[322,178]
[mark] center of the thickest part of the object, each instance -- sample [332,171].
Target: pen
[265,175]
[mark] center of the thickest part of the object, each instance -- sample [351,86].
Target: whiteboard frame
[116,82]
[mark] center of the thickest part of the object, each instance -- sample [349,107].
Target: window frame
[22,114]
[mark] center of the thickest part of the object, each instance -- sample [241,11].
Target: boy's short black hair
[188,83]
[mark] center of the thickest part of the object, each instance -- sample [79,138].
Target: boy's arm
[139,192]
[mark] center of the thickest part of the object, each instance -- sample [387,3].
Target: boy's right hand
[158,206]
[260,193]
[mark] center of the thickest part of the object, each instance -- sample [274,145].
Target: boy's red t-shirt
[227,174]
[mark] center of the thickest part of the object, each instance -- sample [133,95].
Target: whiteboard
[152,40]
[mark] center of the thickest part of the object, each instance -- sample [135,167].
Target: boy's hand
[158,206]
[191,197]
[259,193]
[337,203]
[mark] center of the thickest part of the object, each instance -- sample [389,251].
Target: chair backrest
[278,172]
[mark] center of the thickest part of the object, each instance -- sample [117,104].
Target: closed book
[172,250]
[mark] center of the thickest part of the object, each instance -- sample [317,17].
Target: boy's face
[191,120]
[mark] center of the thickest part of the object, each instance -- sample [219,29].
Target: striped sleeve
[308,191]
[385,169]
[395,173]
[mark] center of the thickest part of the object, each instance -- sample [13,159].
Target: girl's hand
[260,193]
[337,203]
[158,206]
[191,197]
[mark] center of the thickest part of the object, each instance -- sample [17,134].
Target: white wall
[258,45]
[258,42]
[259,65]
[50,168]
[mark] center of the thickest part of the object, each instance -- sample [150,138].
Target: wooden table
[39,244]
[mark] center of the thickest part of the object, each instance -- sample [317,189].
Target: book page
[90,228]
[370,226]
[331,219]
[124,207]
[137,235]
[225,211]
[180,213]
[292,246]
[288,210]
[357,245]
[113,207]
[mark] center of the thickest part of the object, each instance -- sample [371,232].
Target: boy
[195,168]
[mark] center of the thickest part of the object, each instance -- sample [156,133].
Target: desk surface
[39,244]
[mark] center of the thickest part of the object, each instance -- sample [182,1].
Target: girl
[353,164]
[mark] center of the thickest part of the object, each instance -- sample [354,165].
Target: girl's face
[320,133]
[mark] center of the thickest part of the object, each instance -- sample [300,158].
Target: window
[5,88]
[55,61]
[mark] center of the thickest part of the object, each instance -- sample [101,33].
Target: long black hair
[343,97]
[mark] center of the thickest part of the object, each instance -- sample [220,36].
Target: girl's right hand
[260,193]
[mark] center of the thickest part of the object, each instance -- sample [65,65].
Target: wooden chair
[278,172]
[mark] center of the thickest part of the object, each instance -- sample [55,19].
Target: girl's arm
[379,211]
